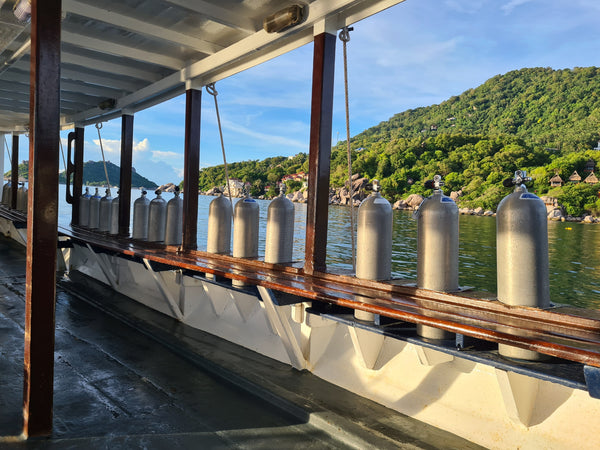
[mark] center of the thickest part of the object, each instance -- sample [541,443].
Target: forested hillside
[543,120]
[93,175]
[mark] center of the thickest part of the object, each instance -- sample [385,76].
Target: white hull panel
[493,407]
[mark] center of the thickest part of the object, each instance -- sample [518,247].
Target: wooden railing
[564,332]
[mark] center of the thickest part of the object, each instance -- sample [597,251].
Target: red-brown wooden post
[320,152]
[125,174]
[42,219]
[191,168]
[14,171]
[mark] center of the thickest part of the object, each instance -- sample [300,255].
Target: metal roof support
[125,174]
[320,152]
[77,173]
[14,171]
[42,219]
[191,167]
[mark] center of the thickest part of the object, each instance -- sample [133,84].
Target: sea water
[574,248]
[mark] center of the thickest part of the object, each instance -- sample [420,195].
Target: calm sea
[574,249]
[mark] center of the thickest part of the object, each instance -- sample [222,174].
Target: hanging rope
[7,151]
[98,127]
[210,88]
[345,38]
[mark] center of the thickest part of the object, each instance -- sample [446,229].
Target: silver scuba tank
[22,198]
[374,237]
[437,248]
[94,216]
[5,189]
[219,226]
[373,242]
[245,228]
[105,212]
[141,209]
[114,215]
[279,242]
[157,218]
[174,228]
[84,208]
[522,254]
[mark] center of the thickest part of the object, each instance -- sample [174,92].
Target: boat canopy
[122,56]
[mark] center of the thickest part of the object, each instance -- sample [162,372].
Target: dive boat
[426,350]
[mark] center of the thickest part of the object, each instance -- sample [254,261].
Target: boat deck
[129,377]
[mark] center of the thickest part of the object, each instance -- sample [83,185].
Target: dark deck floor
[128,377]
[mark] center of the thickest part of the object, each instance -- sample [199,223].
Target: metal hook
[99,125]
[210,88]
[345,34]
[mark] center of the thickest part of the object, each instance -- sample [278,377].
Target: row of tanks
[521,250]
[21,196]
[154,220]
[522,238]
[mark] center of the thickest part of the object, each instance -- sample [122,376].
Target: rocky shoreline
[341,196]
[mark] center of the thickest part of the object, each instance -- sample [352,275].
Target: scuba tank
[437,248]
[174,228]
[141,209]
[105,212]
[279,243]
[157,218]
[84,208]
[94,216]
[522,254]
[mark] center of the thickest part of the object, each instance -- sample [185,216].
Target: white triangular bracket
[430,357]
[246,305]
[367,345]
[218,301]
[280,321]
[519,393]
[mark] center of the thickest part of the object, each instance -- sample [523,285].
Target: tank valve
[518,180]
[434,184]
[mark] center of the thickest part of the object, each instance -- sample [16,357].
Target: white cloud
[158,155]
[266,138]
[512,4]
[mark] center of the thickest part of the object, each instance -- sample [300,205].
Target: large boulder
[414,200]
[400,204]
[556,214]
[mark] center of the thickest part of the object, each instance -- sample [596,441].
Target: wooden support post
[191,167]
[77,174]
[125,174]
[319,153]
[42,219]
[14,171]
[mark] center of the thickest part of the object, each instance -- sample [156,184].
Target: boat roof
[122,56]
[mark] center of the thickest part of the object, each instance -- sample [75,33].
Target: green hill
[542,120]
[93,175]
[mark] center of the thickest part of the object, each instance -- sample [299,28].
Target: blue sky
[417,53]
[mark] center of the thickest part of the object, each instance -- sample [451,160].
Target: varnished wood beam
[125,174]
[42,219]
[319,153]
[191,168]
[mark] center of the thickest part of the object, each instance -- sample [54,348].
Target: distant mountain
[93,175]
